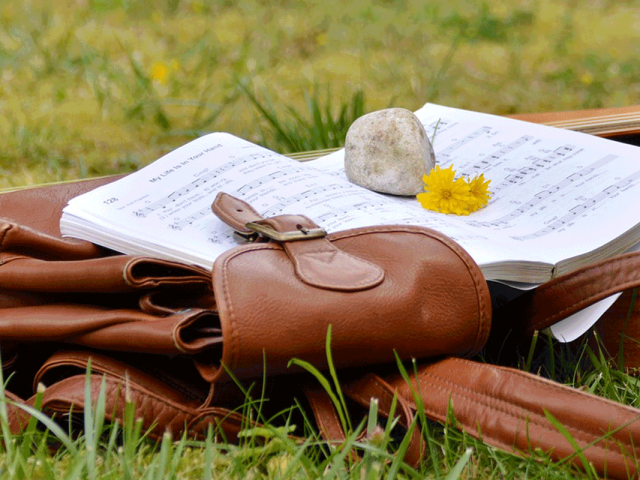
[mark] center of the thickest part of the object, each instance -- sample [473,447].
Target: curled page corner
[577,324]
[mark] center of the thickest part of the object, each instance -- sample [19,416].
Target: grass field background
[92,87]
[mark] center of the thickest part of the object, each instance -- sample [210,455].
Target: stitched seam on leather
[526,420]
[374,278]
[552,386]
[437,414]
[232,316]
[537,420]
[558,388]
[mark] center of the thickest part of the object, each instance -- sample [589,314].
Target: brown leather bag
[163,333]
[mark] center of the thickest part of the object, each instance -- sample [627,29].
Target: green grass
[92,87]
[115,451]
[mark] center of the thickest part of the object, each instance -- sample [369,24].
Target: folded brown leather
[162,404]
[188,332]
[115,274]
[19,240]
[382,290]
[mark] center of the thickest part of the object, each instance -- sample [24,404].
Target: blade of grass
[334,376]
[326,386]
[456,471]
[587,466]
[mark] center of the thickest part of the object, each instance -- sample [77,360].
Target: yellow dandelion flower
[444,194]
[480,194]
[159,72]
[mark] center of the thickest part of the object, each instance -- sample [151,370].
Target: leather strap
[504,407]
[563,296]
[365,390]
[510,409]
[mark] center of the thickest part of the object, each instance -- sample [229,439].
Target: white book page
[556,193]
[165,208]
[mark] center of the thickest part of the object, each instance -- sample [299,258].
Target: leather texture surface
[511,409]
[382,290]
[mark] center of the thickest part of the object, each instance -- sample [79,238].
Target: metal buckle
[302,233]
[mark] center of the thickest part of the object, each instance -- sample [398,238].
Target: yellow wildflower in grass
[444,194]
[480,194]
[159,72]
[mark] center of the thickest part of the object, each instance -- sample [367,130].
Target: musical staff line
[463,141]
[174,196]
[582,208]
[281,205]
[180,224]
[549,192]
[261,181]
[484,164]
[539,164]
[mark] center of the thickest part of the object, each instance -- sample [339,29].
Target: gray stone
[388,151]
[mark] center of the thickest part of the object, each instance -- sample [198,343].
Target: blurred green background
[93,87]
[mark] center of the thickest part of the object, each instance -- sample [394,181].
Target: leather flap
[433,300]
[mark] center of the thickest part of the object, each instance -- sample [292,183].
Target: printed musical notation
[280,205]
[583,207]
[446,152]
[528,205]
[267,178]
[167,200]
[191,219]
[493,160]
[538,164]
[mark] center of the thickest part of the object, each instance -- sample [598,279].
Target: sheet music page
[168,203]
[556,193]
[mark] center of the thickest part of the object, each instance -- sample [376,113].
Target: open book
[561,199]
